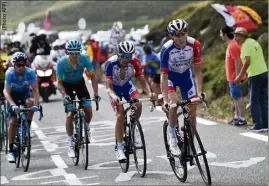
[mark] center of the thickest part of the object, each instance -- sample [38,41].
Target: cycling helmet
[73,45]
[177,25]
[125,47]
[18,57]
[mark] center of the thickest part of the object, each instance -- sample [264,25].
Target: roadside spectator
[255,66]
[233,65]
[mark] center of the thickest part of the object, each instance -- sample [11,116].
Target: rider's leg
[11,136]
[119,129]
[29,102]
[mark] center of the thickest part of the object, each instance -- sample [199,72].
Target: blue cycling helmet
[19,57]
[73,46]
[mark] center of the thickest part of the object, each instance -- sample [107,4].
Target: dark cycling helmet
[19,57]
[125,47]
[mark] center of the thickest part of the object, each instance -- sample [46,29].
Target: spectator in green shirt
[255,66]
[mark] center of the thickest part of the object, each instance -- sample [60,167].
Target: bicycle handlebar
[22,109]
[192,100]
[82,100]
[132,101]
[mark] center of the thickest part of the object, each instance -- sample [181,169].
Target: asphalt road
[236,156]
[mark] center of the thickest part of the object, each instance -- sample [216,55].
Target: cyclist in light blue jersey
[18,81]
[69,72]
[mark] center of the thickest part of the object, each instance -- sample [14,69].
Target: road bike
[22,143]
[81,135]
[132,132]
[3,125]
[186,136]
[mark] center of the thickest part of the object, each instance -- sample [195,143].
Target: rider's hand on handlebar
[152,96]
[165,107]
[15,109]
[34,108]
[115,100]
[97,98]
[66,99]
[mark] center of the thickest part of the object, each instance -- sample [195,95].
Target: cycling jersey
[124,87]
[154,67]
[177,62]
[112,70]
[23,85]
[65,72]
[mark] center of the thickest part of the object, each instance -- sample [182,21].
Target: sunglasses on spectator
[20,65]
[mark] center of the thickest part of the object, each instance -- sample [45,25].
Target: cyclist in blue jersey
[69,72]
[152,62]
[177,57]
[18,81]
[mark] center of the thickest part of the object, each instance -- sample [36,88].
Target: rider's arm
[164,70]
[90,73]
[34,88]
[139,74]
[7,88]
[109,79]
[198,66]
[59,76]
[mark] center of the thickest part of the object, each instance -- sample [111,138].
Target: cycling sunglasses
[77,53]
[20,65]
[126,56]
[180,33]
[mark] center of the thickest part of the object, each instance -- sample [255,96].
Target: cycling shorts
[127,91]
[185,83]
[20,99]
[79,88]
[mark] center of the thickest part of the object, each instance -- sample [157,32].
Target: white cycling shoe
[174,147]
[71,152]
[120,155]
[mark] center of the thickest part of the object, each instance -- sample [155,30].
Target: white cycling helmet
[125,47]
[177,25]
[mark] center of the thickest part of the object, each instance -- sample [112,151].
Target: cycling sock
[11,147]
[171,131]
[236,117]
[120,145]
[70,141]
[242,118]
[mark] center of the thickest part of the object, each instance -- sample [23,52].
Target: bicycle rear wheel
[124,164]
[178,165]
[2,131]
[139,144]
[25,146]
[84,143]
[205,173]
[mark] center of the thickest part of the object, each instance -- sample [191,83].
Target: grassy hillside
[98,14]
[202,17]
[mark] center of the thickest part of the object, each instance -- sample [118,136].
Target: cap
[241,30]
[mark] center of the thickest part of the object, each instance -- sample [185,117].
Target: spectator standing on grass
[255,66]
[233,65]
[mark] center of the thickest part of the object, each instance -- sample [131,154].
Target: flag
[235,17]
[47,21]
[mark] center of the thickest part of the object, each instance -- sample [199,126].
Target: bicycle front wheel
[17,149]
[85,144]
[2,132]
[201,162]
[25,146]
[124,164]
[178,165]
[139,146]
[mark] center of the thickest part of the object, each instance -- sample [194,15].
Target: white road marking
[255,136]
[4,180]
[239,164]
[59,162]
[71,179]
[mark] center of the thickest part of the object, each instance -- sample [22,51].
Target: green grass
[98,14]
